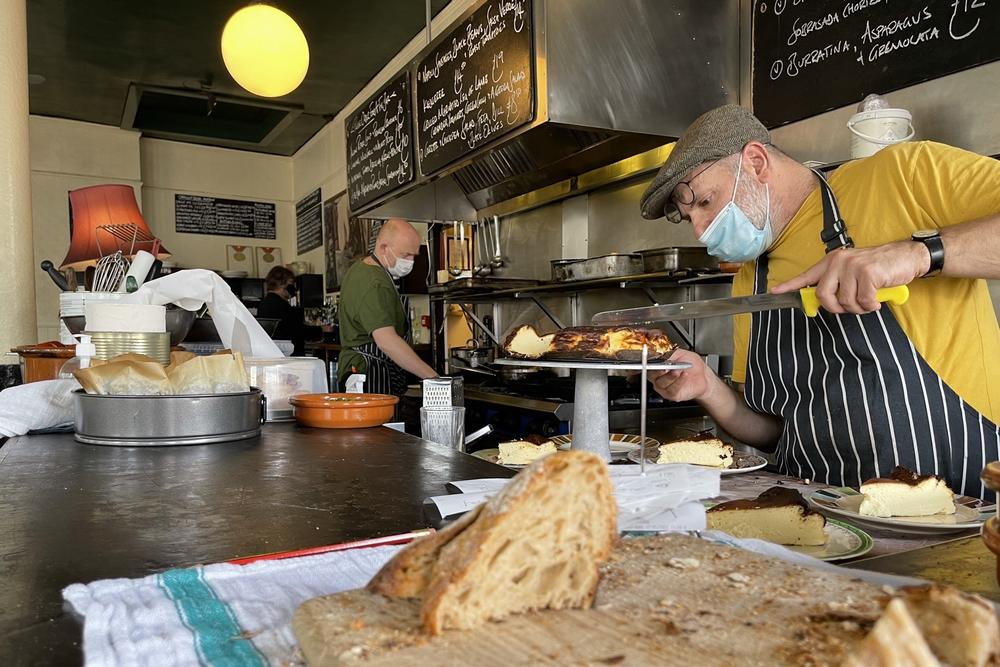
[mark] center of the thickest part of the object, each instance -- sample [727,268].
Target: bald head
[397,239]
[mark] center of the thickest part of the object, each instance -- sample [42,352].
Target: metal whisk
[110,272]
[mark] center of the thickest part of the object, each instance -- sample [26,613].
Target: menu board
[309,222]
[380,143]
[194,214]
[477,84]
[811,56]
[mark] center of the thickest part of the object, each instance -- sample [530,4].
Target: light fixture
[98,216]
[265,50]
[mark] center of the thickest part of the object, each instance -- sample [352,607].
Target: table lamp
[103,219]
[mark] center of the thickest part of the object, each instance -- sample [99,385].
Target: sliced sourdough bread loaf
[535,545]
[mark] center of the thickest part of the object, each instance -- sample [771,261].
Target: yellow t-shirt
[884,198]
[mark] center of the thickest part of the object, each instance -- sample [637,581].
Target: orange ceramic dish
[343,410]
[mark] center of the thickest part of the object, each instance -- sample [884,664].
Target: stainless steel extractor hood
[613,78]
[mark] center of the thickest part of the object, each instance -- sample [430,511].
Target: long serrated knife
[692,310]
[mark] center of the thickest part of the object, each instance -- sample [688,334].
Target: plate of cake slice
[905,502]
[701,449]
[782,516]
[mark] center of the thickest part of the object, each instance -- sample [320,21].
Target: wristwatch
[931,238]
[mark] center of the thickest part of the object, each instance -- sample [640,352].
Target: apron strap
[834,234]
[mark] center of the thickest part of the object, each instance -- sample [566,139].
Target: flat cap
[713,135]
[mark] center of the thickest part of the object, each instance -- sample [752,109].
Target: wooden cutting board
[666,600]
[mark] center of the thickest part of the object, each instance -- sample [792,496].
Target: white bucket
[871,131]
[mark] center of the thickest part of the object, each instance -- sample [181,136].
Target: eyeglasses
[684,194]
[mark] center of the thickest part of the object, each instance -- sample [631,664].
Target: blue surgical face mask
[732,236]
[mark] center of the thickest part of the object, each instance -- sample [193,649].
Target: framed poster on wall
[346,240]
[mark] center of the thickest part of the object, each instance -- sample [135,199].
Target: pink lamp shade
[101,205]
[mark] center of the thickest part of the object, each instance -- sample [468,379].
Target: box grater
[443,393]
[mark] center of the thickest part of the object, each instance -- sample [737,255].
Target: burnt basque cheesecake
[598,343]
[703,449]
[905,493]
[779,515]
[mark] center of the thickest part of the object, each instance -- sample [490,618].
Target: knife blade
[805,299]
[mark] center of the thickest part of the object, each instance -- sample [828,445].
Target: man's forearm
[972,249]
[730,411]
[401,353]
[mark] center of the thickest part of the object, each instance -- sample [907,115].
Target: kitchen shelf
[470,294]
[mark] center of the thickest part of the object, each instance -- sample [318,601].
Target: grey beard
[751,197]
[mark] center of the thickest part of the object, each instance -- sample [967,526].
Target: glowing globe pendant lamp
[265,50]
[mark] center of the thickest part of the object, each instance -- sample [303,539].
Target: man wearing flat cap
[864,386]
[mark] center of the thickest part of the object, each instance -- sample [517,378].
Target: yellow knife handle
[895,295]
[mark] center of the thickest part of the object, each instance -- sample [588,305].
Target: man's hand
[684,385]
[846,280]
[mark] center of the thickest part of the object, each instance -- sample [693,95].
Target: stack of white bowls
[71,304]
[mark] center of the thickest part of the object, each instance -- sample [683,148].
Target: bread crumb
[684,563]
[738,577]
[357,624]
[354,652]
[612,660]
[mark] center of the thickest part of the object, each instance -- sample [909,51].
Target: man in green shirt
[374,325]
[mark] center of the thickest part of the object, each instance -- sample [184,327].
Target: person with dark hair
[280,285]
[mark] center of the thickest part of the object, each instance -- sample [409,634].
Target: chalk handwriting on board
[814,55]
[379,143]
[476,84]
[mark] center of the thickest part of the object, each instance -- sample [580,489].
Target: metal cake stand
[591,432]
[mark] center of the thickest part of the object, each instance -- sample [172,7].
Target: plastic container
[85,351]
[343,410]
[871,131]
[280,379]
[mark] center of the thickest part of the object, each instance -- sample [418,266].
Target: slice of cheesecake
[522,452]
[526,343]
[702,450]
[778,515]
[905,493]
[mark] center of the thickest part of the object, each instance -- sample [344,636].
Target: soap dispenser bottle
[85,351]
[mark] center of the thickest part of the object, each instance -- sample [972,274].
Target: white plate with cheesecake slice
[843,541]
[741,463]
[970,513]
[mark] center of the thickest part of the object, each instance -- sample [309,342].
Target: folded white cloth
[36,406]
[213,615]
[241,615]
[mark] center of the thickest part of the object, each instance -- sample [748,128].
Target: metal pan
[152,421]
[656,260]
[605,266]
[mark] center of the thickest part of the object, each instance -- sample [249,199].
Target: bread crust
[409,572]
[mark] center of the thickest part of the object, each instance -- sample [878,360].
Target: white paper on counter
[685,518]
[191,289]
[665,498]
[458,503]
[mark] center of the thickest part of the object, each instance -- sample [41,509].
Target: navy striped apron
[856,397]
[383,375]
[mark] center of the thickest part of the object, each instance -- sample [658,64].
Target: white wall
[66,155]
[170,168]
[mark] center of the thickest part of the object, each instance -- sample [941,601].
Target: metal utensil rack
[591,432]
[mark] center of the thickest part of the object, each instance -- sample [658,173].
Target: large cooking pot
[656,260]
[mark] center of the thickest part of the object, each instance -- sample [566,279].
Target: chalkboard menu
[811,56]
[309,222]
[477,84]
[225,217]
[380,143]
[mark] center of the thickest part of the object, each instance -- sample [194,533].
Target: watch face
[926,234]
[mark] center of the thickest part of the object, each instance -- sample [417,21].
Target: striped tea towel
[213,615]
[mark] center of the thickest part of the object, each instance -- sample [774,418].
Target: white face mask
[401,268]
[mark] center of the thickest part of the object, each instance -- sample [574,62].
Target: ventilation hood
[612,79]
